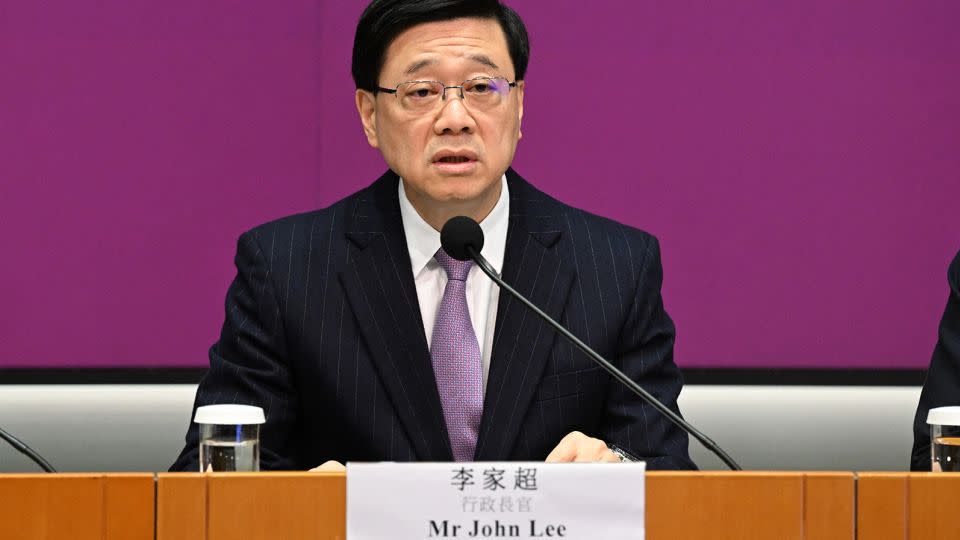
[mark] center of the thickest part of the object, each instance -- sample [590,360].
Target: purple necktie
[456,360]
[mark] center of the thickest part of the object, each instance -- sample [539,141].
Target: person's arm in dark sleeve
[646,356]
[942,387]
[248,364]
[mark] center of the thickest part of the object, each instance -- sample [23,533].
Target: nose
[454,117]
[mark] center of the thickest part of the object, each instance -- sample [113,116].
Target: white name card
[568,501]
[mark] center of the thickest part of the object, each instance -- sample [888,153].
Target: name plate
[569,501]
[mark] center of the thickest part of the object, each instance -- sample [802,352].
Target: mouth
[455,162]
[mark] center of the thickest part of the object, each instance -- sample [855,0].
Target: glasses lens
[486,93]
[419,95]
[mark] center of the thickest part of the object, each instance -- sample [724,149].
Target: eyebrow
[478,58]
[483,59]
[417,66]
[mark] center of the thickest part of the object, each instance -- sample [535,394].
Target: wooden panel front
[41,507]
[292,506]
[881,506]
[76,506]
[828,506]
[181,506]
[128,509]
[933,506]
[721,506]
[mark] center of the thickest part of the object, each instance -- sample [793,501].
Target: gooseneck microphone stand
[462,238]
[27,451]
[607,366]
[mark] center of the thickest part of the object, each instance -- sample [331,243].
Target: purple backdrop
[798,161]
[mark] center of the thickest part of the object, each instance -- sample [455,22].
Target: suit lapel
[378,282]
[522,342]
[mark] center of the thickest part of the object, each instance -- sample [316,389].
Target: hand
[577,447]
[330,466]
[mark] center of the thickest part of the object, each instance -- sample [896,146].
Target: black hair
[384,20]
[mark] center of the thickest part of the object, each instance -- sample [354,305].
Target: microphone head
[457,234]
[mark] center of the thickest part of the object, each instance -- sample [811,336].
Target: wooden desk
[76,506]
[750,505]
[908,506]
[296,505]
[742,506]
[251,506]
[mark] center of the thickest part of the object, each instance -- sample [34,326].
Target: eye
[482,86]
[419,91]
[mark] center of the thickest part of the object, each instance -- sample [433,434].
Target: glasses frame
[443,94]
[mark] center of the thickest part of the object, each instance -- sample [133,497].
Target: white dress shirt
[482,294]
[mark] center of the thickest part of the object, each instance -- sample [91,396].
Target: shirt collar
[423,241]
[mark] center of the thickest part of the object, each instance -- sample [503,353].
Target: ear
[519,89]
[367,107]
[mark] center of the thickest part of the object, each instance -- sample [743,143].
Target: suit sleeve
[942,387]
[646,355]
[248,363]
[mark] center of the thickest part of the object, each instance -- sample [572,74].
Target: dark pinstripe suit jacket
[942,387]
[323,331]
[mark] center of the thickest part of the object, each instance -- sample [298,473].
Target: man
[363,341]
[942,387]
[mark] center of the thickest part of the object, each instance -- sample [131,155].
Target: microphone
[27,451]
[462,239]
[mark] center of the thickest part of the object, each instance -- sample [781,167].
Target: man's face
[428,149]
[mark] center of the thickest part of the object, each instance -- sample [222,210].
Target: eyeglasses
[480,93]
